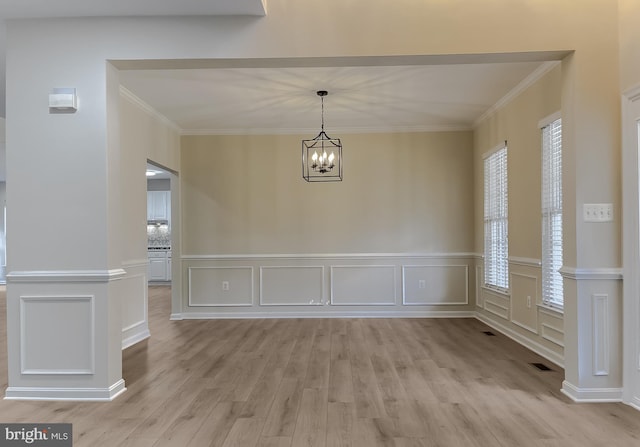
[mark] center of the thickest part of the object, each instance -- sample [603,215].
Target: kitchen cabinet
[158,205]
[159,268]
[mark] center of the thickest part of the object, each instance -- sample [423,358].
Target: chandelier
[322,155]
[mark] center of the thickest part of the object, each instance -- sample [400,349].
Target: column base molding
[66,394]
[591,394]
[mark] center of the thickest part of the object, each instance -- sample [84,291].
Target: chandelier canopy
[322,155]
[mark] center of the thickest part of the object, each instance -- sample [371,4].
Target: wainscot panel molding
[519,314]
[591,394]
[526,341]
[524,295]
[525,262]
[551,325]
[591,273]
[496,303]
[135,318]
[287,285]
[363,285]
[61,321]
[435,284]
[220,286]
[601,335]
[63,394]
[66,276]
[355,285]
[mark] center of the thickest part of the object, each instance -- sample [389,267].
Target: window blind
[552,290]
[496,241]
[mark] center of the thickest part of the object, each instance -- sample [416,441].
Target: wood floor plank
[333,383]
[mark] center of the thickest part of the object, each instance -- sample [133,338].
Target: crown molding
[337,131]
[138,102]
[527,82]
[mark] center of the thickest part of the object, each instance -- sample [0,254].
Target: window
[552,292]
[496,241]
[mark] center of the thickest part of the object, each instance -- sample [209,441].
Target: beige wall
[517,123]
[402,193]
[629,16]
[142,136]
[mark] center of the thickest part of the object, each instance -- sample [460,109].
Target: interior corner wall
[519,313]
[142,136]
[395,237]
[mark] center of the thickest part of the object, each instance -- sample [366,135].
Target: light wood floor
[330,382]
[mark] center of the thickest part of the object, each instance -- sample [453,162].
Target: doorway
[631,245]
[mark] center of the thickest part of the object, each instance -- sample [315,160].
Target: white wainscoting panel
[220,286]
[57,334]
[551,326]
[291,285]
[435,284]
[135,321]
[601,336]
[363,285]
[479,284]
[496,303]
[524,295]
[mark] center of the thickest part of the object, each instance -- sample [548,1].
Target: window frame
[552,288]
[496,219]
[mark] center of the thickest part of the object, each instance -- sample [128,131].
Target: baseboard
[591,394]
[524,341]
[66,394]
[135,338]
[320,314]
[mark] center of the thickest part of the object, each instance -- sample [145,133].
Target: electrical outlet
[225,285]
[422,284]
[529,302]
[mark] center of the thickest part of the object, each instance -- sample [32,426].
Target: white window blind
[552,292]
[496,241]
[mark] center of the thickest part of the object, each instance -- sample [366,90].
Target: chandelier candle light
[322,155]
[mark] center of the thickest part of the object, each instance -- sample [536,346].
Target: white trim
[136,101]
[457,303]
[526,262]
[334,129]
[527,82]
[630,241]
[556,312]
[544,122]
[393,302]
[137,337]
[226,267]
[325,314]
[535,298]
[591,273]
[317,256]
[494,149]
[601,336]
[267,267]
[69,276]
[133,263]
[539,349]
[23,334]
[548,337]
[591,394]
[66,394]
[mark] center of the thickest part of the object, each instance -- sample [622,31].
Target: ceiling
[361,98]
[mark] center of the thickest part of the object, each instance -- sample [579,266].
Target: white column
[64,281]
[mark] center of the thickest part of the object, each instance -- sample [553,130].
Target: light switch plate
[598,212]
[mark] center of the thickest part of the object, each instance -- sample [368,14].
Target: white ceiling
[364,98]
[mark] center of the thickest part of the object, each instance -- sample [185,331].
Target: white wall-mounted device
[63,100]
